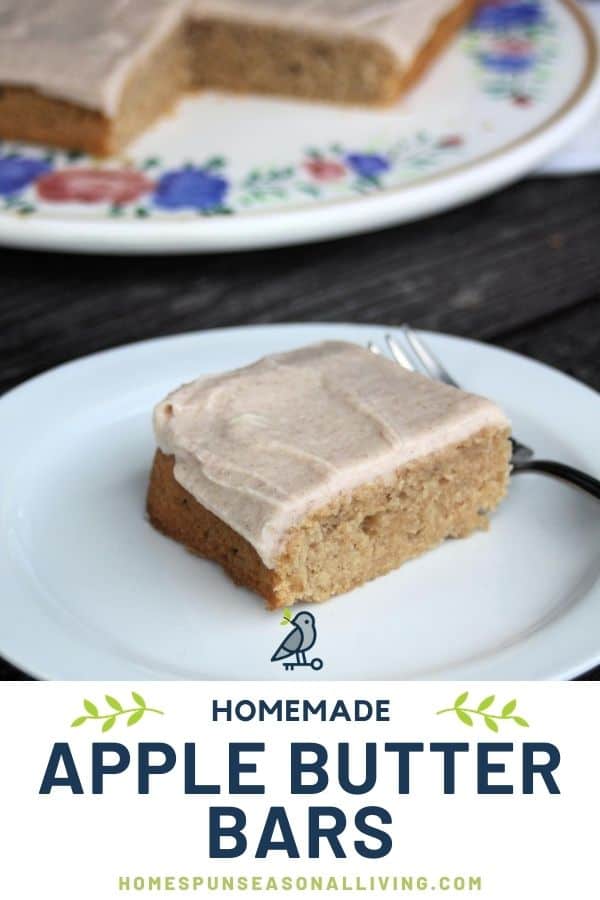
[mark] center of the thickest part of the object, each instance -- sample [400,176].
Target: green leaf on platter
[520,721]
[485,704]
[113,703]
[138,699]
[310,189]
[463,716]
[91,708]
[509,708]
[135,717]
[215,162]
[461,699]
[491,723]
[109,723]
[78,721]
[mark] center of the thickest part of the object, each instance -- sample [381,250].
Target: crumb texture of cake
[95,75]
[311,472]
[343,51]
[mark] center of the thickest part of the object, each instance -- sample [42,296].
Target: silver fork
[523,459]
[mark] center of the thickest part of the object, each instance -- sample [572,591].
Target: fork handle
[564,473]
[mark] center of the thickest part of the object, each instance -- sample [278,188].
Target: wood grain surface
[520,269]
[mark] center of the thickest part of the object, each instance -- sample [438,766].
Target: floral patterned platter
[228,172]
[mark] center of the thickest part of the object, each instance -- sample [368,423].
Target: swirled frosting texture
[262,446]
[83,51]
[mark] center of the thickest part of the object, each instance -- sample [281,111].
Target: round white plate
[88,589]
[227,173]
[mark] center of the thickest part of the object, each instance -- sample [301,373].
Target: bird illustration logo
[298,642]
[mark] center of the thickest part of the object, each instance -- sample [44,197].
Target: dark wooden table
[520,269]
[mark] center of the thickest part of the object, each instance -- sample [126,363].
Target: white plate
[89,590]
[229,173]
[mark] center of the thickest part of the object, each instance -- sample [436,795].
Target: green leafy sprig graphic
[134,713]
[465,713]
[287,617]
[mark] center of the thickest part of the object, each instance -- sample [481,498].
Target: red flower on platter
[450,140]
[93,186]
[325,169]
[515,46]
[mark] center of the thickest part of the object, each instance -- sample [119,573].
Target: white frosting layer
[262,446]
[84,50]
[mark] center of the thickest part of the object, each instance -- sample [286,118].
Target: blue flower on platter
[190,188]
[507,62]
[504,14]
[368,165]
[17,172]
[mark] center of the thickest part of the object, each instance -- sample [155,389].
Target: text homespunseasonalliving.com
[314,883]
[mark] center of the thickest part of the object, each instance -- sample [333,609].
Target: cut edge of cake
[357,536]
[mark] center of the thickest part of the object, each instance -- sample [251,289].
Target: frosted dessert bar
[94,75]
[311,472]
